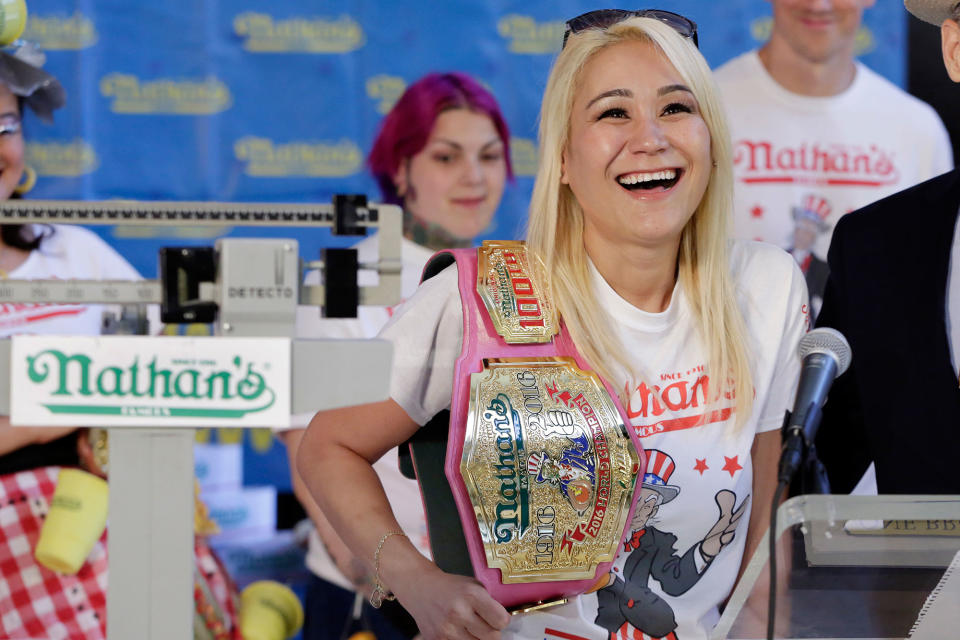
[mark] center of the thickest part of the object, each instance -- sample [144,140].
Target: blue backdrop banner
[245,100]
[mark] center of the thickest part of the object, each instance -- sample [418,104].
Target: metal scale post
[254,291]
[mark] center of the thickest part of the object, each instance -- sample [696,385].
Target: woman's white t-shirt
[699,461]
[69,252]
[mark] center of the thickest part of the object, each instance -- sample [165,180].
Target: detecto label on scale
[149,381]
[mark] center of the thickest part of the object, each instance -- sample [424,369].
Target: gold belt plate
[509,284]
[549,468]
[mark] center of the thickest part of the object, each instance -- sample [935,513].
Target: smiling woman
[627,244]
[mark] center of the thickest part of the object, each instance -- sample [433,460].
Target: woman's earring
[28,181]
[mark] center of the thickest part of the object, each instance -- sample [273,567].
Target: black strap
[426,454]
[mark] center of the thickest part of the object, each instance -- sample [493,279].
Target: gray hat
[23,76]
[932,11]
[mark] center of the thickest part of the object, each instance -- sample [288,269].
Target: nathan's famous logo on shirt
[386,90]
[51,32]
[766,162]
[74,158]
[266,34]
[679,401]
[168,96]
[761,28]
[267,159]
[77,375]
[526,35]
[523,156]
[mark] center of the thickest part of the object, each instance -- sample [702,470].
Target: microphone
[825,354]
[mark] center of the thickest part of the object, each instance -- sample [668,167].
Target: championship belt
[536,457]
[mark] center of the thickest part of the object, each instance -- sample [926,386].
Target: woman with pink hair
[443,154]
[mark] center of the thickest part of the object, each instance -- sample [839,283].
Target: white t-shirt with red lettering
[801,162]
[698,463]
[70,252]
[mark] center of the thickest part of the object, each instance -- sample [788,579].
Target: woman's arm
[335,462]
[765,454]
[352,568]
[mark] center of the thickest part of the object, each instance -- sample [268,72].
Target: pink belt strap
[480,341]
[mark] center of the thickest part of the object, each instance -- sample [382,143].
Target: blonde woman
[629,216]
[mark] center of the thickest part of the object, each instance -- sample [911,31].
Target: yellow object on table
[269,611]
[76,520]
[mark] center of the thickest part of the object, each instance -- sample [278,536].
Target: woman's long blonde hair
[555,227]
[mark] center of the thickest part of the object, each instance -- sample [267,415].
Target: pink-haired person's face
[457,179]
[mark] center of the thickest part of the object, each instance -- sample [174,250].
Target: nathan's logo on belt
[386,90]
[526,35]
[178,97]
[75,158]
[513,508]
[267,159]
[523,156]
[265,34]
[61,32]
[765,162]
[546,442]
[509,288]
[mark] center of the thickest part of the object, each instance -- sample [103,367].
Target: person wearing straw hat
[894,292]
[40,599]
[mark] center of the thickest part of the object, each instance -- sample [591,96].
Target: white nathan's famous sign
[150,381]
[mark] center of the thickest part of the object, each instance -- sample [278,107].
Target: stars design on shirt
[757,211]
[731,466]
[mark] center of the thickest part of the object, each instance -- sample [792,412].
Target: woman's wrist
[402,566]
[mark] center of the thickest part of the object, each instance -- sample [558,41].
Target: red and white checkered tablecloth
[36,602]
[39,604]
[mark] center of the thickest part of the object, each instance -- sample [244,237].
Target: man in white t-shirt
[899,401]
[811,124]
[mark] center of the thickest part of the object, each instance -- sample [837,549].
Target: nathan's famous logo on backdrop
[75,376]
[51,32]
[267,159]
[763,161]
[180,97]
[526,35]
[761,28]
[67,159]
[523,156]
[266,34]
[386,90]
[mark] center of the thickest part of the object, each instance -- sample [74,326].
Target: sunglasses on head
[603,18]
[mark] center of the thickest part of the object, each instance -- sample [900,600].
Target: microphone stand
[797,452]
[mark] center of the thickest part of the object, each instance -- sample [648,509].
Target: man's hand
[723,531]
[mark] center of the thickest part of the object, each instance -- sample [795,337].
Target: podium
[853,567]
